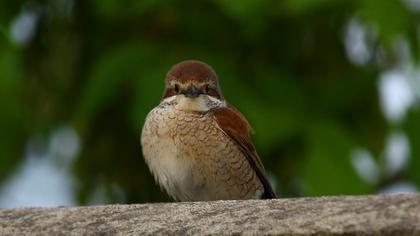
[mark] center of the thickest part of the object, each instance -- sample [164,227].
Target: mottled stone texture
[365,215]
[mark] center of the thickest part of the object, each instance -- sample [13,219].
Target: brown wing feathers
[234,124]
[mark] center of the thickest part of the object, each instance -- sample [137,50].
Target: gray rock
[364,215]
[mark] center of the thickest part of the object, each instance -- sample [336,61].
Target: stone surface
[364,215]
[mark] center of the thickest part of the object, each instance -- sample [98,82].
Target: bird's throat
[201,103]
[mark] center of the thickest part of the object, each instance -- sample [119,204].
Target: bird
[197,145]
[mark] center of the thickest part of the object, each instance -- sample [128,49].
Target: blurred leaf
[247,8]
[412,127]
[12,125]
[119,9]
[280,104]
[378,12]
[107,78]
[305,6]
[342,98]
[328,169]
[8,10]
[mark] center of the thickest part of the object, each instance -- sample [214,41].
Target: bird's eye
[207,88]
[176,88]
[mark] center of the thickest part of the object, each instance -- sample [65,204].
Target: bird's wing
[234,124]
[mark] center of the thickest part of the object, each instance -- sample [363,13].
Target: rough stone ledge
[359,215]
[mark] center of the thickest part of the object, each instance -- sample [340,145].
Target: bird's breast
[169,142]
[193,159]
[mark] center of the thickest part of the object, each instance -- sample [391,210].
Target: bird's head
[193,84]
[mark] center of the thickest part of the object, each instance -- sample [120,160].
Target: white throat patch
[201,103]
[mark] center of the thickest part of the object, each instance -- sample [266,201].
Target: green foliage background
[99,66]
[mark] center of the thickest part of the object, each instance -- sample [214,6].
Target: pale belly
[193,159]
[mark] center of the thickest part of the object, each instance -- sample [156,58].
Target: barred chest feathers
[188,153]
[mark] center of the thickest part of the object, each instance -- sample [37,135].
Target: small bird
[198,146]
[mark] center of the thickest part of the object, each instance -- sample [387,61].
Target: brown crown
[192,71]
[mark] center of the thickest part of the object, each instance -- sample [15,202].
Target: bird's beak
[192,92]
